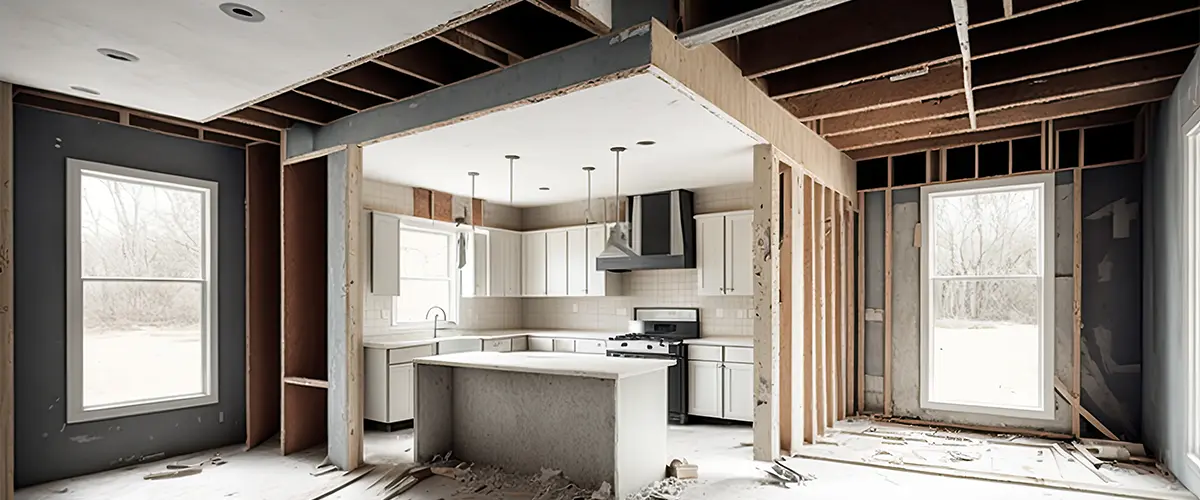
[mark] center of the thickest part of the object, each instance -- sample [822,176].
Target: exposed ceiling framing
[869,73]
[497,39]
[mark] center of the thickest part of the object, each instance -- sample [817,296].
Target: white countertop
[392,341]
[727,340]
[550,363]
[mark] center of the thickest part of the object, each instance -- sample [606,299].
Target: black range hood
[659,233]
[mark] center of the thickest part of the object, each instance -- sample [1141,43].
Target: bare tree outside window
[143,295]
[985,295]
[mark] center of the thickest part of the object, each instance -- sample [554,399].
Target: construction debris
[681,469]
[786,476]
[666,489]
[177,469]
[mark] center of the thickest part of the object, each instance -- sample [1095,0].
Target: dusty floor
[726,471]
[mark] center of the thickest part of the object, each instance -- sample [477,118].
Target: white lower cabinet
[564,345]
[400,392]
[704,388]
[721,389]
[541,344]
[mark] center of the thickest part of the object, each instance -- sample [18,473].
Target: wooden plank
[767,15]
[307,382]
[839,309]
[822,316]
[1077,298]
[565,10]
[941,81]
[1063,390]
[443,206]
[887,299]
[786,335]
[876,22]
[474,47]
[939,46]
[510,40]
[345,296]
[263,397]
[380,81]
[961,22]
[422,203]
[1008,117]
[810,311]
[831,367]
[7,392]
[302,108]
[243,130]
[435,61]
[259,118]
[861,382]
[766,192]
[340,95]
[951,141]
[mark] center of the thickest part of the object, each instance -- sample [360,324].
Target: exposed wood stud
[259,118]
[1077,299]
[828,226]
[244,131]
[950,141]
[458,39]
[303,108]
[562,10]
[340,95]
[821,317]
[887,299]
[861,382]
[377,80]
[810,311]
[759,18]
[961,23]
[1008,8]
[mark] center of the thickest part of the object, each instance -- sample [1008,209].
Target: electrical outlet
[574,308]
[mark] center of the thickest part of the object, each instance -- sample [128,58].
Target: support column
[766,196]
[7,405]
[345,420]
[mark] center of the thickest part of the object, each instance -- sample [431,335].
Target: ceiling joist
[983,136]
[461,41]
[562,10]
[302,108]
[759,18]
[961,25]
[380,81]
[340,95]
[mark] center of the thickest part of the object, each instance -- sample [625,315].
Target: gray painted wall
[1165,382]
[46,447]
[1112,309]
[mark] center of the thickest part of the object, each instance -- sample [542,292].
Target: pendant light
[511,159]
[587,213]
[618,242]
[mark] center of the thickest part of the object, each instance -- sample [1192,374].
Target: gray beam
[624,51]
[767,15]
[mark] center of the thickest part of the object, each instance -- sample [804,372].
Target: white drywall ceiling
[196,62]
[557,137]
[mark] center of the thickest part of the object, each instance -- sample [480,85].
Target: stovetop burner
[644,336]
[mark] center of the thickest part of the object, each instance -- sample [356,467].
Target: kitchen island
[597,419]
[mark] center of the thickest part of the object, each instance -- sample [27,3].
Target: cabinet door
[533,249]
[541,344]
[738,402]
[475,275]
[577,258]
[513,265]
[564,345]
[739,255]
[704,389]
[710,255]
[597,236]
[499,260]
[556,263]
[400,392]
[385,254]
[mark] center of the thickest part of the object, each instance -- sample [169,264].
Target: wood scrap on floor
[177,469]
[786,476]
[351,477]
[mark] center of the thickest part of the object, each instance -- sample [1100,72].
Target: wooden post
[810,311]
[821,317]
[1077,302]
[830,251]
[7,405]
[766,303]
[862,308]
[887,302]
[785,313]
[345,420]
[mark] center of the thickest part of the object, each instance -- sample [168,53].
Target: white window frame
[454,275]
[75,410]
[1045,187]
[1190,162]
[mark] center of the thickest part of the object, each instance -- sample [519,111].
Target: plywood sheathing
[6,291]
[263,369]
[345,297]
[709,75]
[766,192]
[422,203]
[443,207]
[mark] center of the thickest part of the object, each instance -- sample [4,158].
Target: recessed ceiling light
[242,12]
[119,55]
[85,90]
[645,143]
[543,188]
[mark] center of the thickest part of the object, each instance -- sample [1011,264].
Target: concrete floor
[726,469]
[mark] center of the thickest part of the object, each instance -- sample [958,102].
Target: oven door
[676,383]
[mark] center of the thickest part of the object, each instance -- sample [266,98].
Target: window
[987,329]
[428,276]
[141,309]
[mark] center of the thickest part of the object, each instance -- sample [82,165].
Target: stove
[665,331]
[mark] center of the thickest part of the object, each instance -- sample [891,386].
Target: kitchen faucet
[435,317]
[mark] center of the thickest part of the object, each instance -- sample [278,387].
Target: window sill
[997,411]
[1193,465]
[78,415]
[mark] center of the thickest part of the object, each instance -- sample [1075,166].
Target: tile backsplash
[719,315]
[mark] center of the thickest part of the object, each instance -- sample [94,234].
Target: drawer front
[541,344]
[739,354]
[521,344]
[498,345]
[406,354]
[564,345]
[591,346]
[704,352]
[459,345]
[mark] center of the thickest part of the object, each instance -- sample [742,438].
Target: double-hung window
[428,276]
[141,281]
[987,315]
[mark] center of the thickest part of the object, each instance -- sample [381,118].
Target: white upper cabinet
[556,263]
[533,251]
[577,261]
[725,253]
[504,263]
[739,254]
[385,254]
[475,275]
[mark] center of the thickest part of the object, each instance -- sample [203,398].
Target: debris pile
[667,489]
[785,476]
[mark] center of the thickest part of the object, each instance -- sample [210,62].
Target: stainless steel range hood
[660,234]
